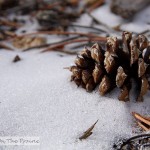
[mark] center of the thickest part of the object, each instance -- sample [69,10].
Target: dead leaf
[27,42]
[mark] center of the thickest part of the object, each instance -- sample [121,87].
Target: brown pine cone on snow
[115,66]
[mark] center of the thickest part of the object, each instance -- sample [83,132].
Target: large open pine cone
[121,61]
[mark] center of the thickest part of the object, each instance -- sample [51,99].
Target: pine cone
[115,66]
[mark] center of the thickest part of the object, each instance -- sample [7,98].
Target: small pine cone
[115,66]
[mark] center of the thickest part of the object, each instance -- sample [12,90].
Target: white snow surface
[38,99]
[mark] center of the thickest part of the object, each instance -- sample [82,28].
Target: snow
[38,99]
[106,16]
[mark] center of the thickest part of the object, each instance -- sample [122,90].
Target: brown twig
[10,23]
[143,126]
[88,132]
[49,6]
[78,46]
[146,120]
[46,7]
[96,4]
[50,44]
[61,33]
[74,41]
[10,33]
[69,52]
[142,120]
[88,27]
[69,41]
[144,32]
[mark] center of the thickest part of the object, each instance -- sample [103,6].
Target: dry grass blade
[143,122]
[88,132]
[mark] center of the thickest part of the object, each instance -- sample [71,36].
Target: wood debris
[27,42]
[142,121]
[88,132]
[16,58]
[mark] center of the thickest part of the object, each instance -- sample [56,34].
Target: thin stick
[74,41]
[50,44]
[88,27]
[61,33]
[78,46]
[66,51]
[143,127]
[9,33]
[144,32]
[141,118]
[50,6]
[95,5]
[47,7]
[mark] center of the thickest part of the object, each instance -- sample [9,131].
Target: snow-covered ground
[38,99]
